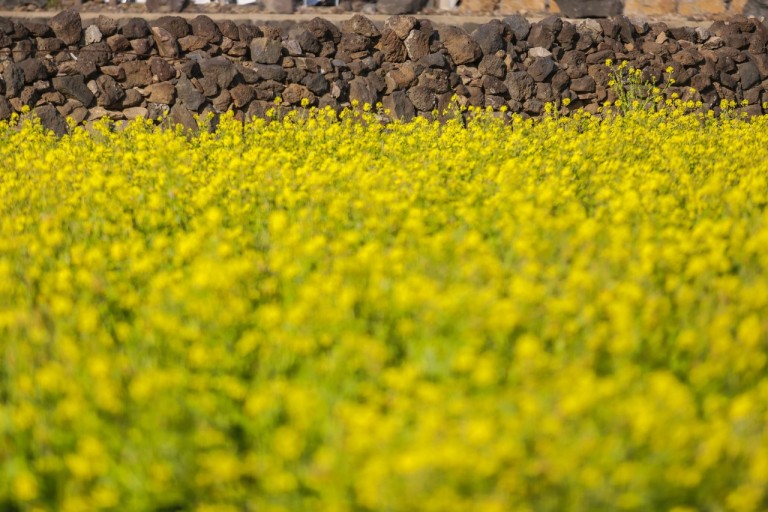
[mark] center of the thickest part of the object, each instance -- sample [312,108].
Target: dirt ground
[252,13]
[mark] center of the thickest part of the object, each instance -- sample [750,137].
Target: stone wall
[127,69]
[688,8]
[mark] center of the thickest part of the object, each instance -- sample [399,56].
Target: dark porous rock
[135,28]
[362,90]
[270,72]
[242,95]
[295,94]
[142,46]
[583,85]
[541,35]
[417,44]
[67,26]
[520,85]
[107,26]
[49,44]
[541,69]
[188,94]
[461,47]
[422,98]
[33,70]
[189,44]
[51,119]
[109,93]
[73,86]
[401,25]
[161,69]
[133,98]
[352,43]
[568,36]
[37,29]
[22,50]
[436,80]
[316,83]
[492,65]
[162,92]
[175,25]
[306,39]
[401,78]
[247,32]
[265,50]
[13,77]
[359,24]
[400,6]
[323,30]
[166,43]
[221,69]
[518,25]
[574,63]
[399,106]
[118,43]
[433,60]
[590,8]
[181,115]
[392,46]
[494,86]
[137,73]
[748,74]
[5,108]
[98,53]
[205,27]
[490,37]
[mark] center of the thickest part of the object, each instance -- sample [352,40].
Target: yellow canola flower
[327,312]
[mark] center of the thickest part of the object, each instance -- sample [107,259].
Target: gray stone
[316,83]
[265,50]
[494,86]
[539,52]
[92,35]
[73,86]
[13,77]
[67,26]
[541,35]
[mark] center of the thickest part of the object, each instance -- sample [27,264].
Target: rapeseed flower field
[324,313]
